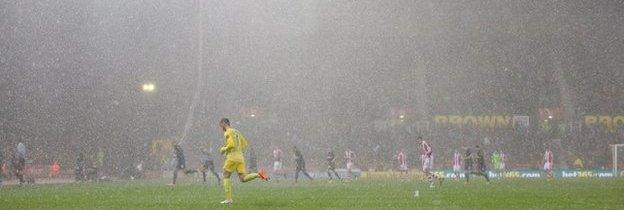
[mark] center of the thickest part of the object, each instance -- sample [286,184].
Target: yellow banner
[481,121]
[611,122]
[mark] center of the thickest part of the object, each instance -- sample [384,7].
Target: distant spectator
[80,168]
[1,164]
[503,161]
[21,150]
[578,163]
[165,162]
[140,171]
[19,162]
[100,157]
[495,158]
[4,170]
[90,172]
[55,169]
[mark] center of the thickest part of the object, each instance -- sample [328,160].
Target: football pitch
[321,194]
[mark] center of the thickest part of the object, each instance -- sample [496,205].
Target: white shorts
[427,164]
[349,165]
[403,167]
[277,166]
[548,166]
[456,168]
[502,166]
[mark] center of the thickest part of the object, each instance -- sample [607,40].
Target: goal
[618,149]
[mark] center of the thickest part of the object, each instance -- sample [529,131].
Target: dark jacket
[468,159]
[80,163]
[330,160]
[179,155]
[480,160]
[207,159]
[299,159]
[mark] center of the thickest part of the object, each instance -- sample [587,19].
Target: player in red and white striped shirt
[548,162]
[457,164]
[349,157]
[426,156]
[402,159]
[427,162]
[277,162]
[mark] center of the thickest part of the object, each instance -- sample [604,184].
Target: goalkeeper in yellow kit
[235,145]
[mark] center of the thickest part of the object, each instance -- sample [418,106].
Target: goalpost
[615,148]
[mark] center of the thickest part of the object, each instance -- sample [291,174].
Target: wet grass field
[321,194]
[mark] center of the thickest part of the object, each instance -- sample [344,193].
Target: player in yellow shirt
[235,145]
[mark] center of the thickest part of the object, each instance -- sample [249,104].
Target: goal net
[618,159]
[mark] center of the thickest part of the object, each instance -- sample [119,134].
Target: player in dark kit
[208,164]
[331,166]
[480,169]
[300,165]
[467,163]
[79,170]
[18,169]
[19,162]
[180,162]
